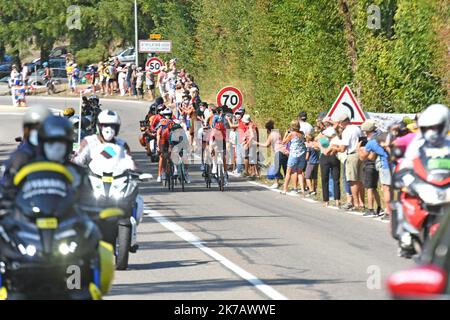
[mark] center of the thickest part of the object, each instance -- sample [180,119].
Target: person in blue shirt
[373,151]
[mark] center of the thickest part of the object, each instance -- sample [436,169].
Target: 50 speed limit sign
[154,65]
[230,97]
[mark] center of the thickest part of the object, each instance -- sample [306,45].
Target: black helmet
[152,109]
[160,108]
[159,100]
[56,129]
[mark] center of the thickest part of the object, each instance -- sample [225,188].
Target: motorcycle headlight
[29,250]
[65,248]
[432,195]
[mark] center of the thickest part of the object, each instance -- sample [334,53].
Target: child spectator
[312,167]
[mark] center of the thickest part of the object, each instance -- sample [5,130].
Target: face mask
[108,133]
[55,151]
[33,137]
[431,136]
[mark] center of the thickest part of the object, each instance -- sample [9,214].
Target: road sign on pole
[346,104]
[155,36]
[230,97]
[155,46]
[154,65]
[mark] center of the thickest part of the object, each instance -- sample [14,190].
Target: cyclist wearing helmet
[162,141]
[69,112]
[28,148]
[108,127]
[217,140]
[434,124]
[179,148]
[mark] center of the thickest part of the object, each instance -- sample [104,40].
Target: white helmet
[434,123]
[108,124]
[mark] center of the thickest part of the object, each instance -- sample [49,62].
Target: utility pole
[136,46]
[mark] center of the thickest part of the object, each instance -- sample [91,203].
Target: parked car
[59,75]
[59,52]
[126,56]
[5,69]
[430,279]
[59,63]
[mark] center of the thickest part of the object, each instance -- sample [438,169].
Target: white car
[126,56]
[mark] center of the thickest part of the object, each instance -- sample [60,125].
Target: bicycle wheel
[221,177]
[181,173]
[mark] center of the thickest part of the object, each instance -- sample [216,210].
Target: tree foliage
[285,55]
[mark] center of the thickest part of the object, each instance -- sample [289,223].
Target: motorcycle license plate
[108,179]
[47,223]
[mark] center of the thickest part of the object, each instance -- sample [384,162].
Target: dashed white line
[192,239]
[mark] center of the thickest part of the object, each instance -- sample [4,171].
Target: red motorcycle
[424,198]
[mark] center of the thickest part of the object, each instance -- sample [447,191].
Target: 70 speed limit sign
[154,65]
[230,97]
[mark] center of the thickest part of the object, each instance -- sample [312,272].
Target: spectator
[353,167]
[140,82]
[297,155]
[370,169]
[75,77]
[121,77]
[329,163]
[25,73]
[129,74]
[374,149]
[312,167]
[307,130]
[133,79]
[150,84]
[280,152]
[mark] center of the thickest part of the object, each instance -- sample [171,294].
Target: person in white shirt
[24,73]
[353,166]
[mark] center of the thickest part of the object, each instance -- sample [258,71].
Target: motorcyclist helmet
[108,124]
[32,119]
[55,138]
[160,108]
[434,124]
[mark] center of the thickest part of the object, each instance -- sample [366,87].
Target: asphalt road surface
[245,243]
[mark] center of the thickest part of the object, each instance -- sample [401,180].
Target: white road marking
[192,239]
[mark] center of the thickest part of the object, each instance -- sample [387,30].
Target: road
[245,243]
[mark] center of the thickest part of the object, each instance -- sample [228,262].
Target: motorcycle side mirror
[18,139]
[426,281]
[398,153]
[145,177]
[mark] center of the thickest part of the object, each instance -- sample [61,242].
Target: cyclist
[179,148]
[162,141]
[217,141]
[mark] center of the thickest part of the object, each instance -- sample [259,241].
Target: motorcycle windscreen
[110,158]
[45,193]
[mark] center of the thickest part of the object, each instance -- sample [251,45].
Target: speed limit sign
[154,65]
[230,97]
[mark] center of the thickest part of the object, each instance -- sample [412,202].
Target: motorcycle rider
[108,126]
[28,150]
[433,124]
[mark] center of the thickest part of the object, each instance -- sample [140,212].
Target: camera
[363,141]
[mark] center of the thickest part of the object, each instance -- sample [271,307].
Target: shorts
[370,177]
[385,177]
[296,163]
[312,170]
[353,168]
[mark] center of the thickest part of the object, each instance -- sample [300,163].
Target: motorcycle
[49,249]
[114,185]
[90,109]
[148,141]
[423,200]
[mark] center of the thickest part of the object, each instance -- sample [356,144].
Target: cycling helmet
[68,112]
[36,115]
[159,100]
[55,138]
[434,123]
[45,64]
[108,124]
[167,112]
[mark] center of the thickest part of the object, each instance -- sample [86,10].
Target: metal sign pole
[79,123]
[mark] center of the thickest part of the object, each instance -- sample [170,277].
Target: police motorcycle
[90,109]
[49,248]
[114,185]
